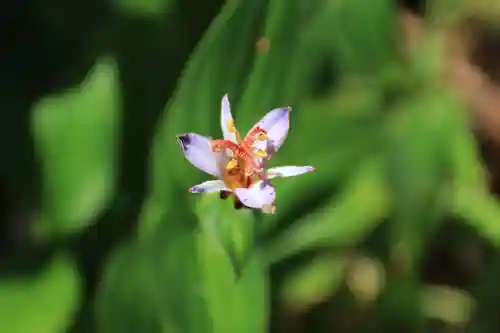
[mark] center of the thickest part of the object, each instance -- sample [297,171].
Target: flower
[240,164]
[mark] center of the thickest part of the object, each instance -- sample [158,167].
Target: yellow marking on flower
[231,164]
[231,127]
[261,136]
[260,153]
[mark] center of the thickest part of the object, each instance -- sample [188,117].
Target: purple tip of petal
[282,112]
[184,140]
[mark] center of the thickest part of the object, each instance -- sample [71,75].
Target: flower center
[243,153]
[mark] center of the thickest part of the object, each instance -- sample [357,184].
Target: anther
[231,164]
[261,136]
[217,145]
[260,153]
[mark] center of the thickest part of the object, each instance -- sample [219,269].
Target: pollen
[232,164]
[231,127]
[260,153]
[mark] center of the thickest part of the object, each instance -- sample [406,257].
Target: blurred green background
[396,104]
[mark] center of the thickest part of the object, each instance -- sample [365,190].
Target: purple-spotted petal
[259,195]
[226,118]
[288,171]
[209,186]
[198,152]
[277,124]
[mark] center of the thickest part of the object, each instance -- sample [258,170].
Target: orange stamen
[218,145]
[256,134]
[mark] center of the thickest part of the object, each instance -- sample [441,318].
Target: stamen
[217,145]
[232,164]
[256,133]
[232,129]
[261,137]
[249,169]
[260,153]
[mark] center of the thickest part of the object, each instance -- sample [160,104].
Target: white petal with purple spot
[198,151]
[288,171]
[257,196]
[209,186]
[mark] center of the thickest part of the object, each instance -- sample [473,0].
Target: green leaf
[76,135]
[232,228]
[343,221]
[236,303]
[314,282]
[219,65]
[129,295]
[282,74]
[362,34]
[331,135]
[480,210]
[417,165]
[45,302]
[181,283]
[144,8]
[350,114]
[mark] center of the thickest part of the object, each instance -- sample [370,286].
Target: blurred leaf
[313,282]
[445,12]
[427,62]
[128,298]
[480,210]
[181,283]
[349,115]
[362,34]
[342,221]
[282,72]
[236,303]
[332,135]
[470,197]
[45,302]
[232,228]
[144,8]
[418,173]
[417,165]
[449,305]
[76,136]
[219,65]
[467,169]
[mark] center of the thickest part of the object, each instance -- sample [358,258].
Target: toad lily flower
[239,164]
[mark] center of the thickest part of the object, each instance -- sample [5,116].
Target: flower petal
[209,186]
[226,118]
[198,152]
[288,171]
[259,195]
[276,123]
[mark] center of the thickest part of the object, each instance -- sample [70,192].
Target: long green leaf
[342,221]
[219,65]
[76,136]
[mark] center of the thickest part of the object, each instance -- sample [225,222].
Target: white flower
[239,164]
